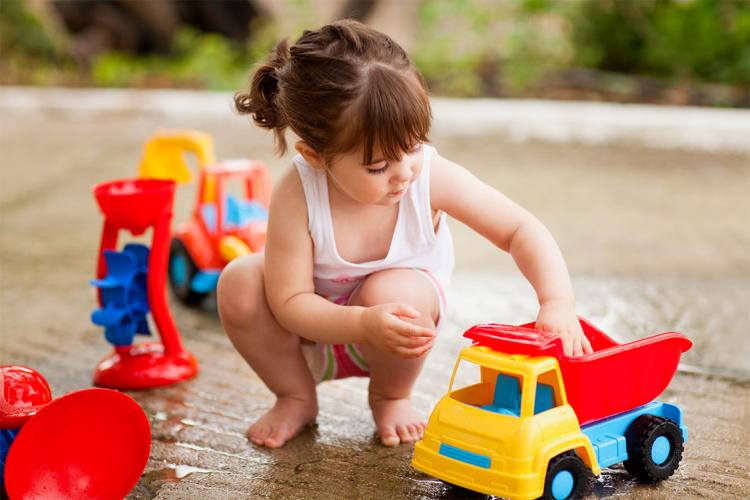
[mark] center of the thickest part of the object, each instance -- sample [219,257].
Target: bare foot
[397,420]
[282,422]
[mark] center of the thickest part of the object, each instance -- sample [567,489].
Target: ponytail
[259,100]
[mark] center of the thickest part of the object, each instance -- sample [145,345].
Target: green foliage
[23,33]
[29,53]
[706,40]
[478,47]
[463,47]
[202,60]
[196,60]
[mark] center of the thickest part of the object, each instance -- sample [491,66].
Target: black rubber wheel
[655,447]
[181,271]
[567,477]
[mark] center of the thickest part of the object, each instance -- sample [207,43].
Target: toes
[406,433]
[279,436]
[388,436]
[403,433]
[390,441]
[273,442]
[416,432]
[258,433]
[413,432]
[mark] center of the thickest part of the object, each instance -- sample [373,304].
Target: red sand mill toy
[92,443]
[132,282]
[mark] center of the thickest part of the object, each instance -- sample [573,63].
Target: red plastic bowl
[23,392]
[134,204]
[92,444]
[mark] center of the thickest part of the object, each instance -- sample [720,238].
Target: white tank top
[415,243]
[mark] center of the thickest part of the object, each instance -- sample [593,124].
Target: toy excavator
[222,226]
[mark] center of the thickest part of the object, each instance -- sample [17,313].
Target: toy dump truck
[536,423]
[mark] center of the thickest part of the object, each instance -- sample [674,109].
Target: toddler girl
[358,251]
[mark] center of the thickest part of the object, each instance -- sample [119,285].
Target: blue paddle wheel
[124,296]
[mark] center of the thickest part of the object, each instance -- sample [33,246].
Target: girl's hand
[560,317]
[384,328]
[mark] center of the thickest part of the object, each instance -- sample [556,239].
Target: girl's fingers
[587,349]
[413,352]
[406,329]
[567,345]
[417,331]
[411,342]
[405,311]
[577,348]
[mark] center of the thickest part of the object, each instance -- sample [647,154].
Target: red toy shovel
[92,444]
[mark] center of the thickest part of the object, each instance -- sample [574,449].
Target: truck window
[545,398]
[546,390]
[467,374]
[487,389]
[507,396]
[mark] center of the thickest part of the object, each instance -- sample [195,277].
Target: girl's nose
[403,171]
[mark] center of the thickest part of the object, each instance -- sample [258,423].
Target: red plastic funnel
[23,392]
[134,204]
[92,444]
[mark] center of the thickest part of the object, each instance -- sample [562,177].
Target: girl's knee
[240,288]
[398,285]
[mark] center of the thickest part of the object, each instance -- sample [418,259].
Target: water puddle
[166,427]
[172,473]
[181,471]
[195,447]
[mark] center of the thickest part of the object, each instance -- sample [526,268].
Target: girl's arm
[513,229]
[288,276]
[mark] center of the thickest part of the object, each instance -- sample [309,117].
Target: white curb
[663,127]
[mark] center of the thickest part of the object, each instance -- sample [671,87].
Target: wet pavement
[655,240]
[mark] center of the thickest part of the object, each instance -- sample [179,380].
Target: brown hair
[339,87]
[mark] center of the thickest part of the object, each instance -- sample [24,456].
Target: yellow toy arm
[163,154]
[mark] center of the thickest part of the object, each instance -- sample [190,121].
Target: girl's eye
[376,171]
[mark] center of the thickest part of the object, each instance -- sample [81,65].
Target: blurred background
[648,200]
[693,52]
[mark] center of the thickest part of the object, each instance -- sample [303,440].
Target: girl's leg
[271,351]
[391,377]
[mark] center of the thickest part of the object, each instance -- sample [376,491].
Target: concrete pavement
[656,239]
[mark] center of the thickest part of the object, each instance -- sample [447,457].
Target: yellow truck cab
[518,404]
[521,420]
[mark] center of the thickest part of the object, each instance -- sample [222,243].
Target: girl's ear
[309,154]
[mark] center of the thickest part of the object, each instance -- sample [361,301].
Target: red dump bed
[613,379]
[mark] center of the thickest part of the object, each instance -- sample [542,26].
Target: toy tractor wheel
[655,446]
[182,269]
[567,477]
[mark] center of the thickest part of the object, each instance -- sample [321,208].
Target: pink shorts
[334,361]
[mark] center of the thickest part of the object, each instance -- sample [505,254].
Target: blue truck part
[608,435]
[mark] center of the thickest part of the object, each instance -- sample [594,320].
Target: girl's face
[382,182]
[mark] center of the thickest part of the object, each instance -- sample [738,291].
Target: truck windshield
[487,389]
